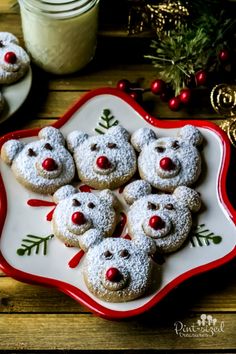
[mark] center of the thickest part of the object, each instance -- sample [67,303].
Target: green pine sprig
[35,243]
[107,120]
[178,56]
[202,236]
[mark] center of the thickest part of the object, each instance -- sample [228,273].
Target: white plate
[18,219]
[15,95]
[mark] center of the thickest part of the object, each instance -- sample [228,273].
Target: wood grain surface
[35,318]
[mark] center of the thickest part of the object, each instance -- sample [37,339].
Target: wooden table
[40,318]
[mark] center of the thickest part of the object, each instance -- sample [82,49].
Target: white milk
[60,35]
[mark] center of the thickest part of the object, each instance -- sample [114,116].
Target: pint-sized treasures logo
[205,326]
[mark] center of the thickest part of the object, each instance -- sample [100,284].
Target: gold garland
[223,100]
[163,16]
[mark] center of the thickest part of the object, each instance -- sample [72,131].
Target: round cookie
[168,162]
[14,61]
[103,161]
[43,165]
[118,270]
[81,218]
[165,218]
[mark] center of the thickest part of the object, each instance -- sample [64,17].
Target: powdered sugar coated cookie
[43,165]
[14,61]
[165,218]
[82,218]
[103,161]
[168,162]
[117,269]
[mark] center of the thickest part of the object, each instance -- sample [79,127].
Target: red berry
[201,77]
[224,55]
[103,162]
[123,85]
[167,164]
[49,164]
[156,222]
[114,275]
[134,95]
[78,218]
[174,103]
[158,86]
[10,58]
[185,96]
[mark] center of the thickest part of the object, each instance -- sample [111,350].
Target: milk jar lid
[59,8]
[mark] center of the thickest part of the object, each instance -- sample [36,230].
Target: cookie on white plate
[42,165]
[103,161]
[14,61]
[119,270]
[164,218]
[168,162]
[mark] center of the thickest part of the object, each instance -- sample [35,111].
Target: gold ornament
[223,100]
[163,16]
[167,16]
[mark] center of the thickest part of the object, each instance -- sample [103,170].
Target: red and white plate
[212,244]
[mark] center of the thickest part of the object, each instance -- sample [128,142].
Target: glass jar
[60,35]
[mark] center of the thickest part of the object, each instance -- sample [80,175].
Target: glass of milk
[60,35]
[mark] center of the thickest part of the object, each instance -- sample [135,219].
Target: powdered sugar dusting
[27,164]
[116,149]
[183,154]
[99,214]
[135,269]
[11,72]
[173,212]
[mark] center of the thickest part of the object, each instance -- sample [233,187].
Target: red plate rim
[71,290]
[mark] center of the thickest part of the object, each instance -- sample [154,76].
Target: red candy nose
[78,218]
[49,164]
[114,275]
[156,222]
[10,58]
[103,162]
[167,164]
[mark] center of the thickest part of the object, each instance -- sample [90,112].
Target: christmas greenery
[179,54]
[202,236]
[35,243]
[107,120]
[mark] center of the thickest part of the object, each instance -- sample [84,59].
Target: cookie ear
[63,193]
[75,138]
[109,198]
[136,190]
[8,37]
[146,244]
[10,150]
[90,238]
[191,133]
[142,137]
[52,134]
[119,132]
[189,197]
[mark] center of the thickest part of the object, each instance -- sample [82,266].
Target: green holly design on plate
[201,236]
[107,120]
[34,243]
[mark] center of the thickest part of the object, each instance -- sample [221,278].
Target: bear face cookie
[103,161]
[14,61]
[117,269]
[81,217]
[168,162]
[165,218]
[43,165]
